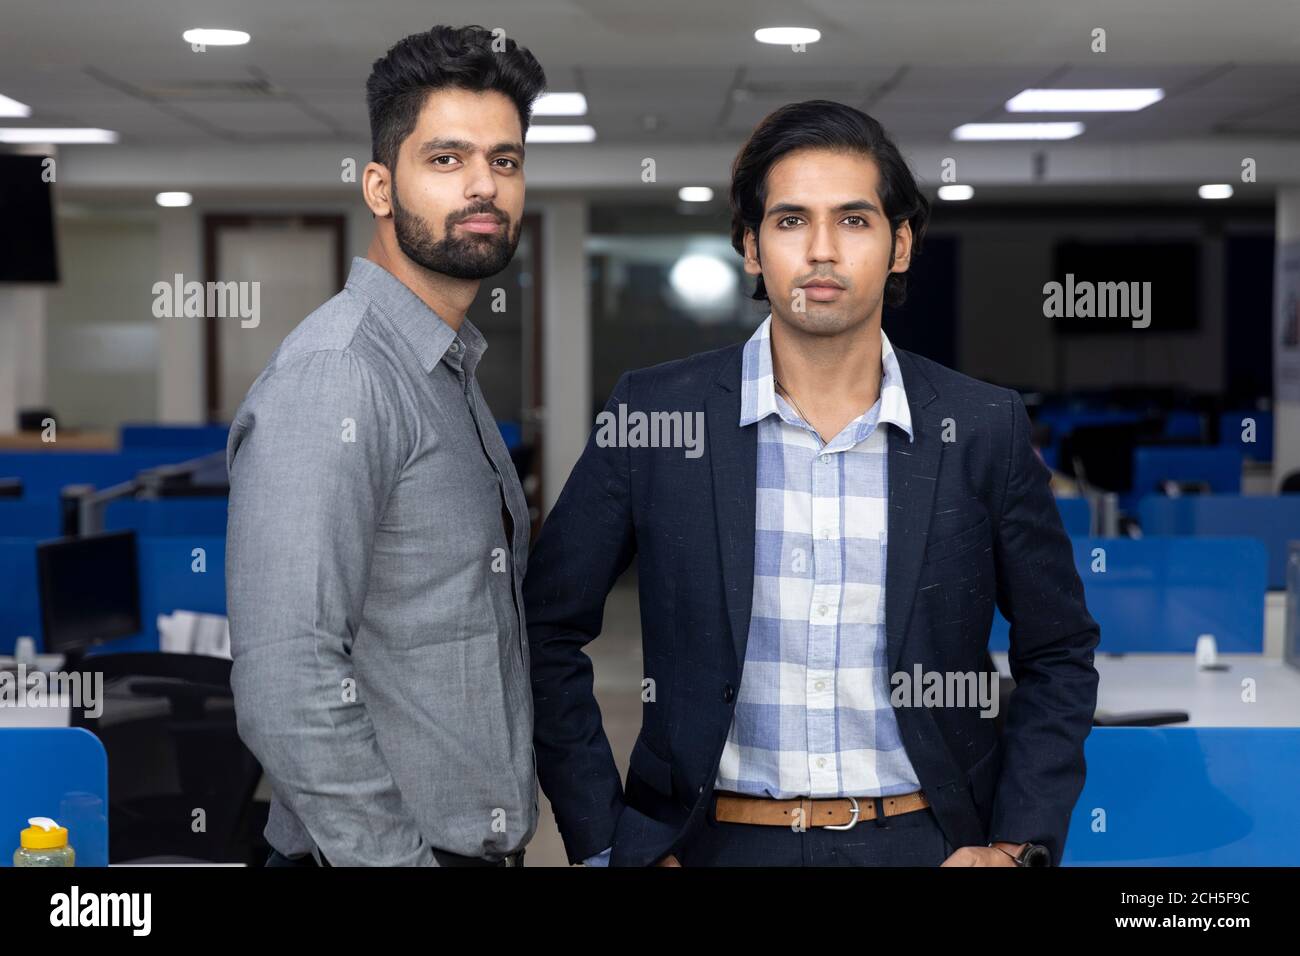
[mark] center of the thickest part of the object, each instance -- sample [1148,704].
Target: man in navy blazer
[818,570]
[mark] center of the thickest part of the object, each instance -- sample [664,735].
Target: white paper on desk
[190,632]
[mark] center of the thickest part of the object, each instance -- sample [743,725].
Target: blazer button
[728,693]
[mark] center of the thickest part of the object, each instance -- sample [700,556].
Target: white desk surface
[1210,698]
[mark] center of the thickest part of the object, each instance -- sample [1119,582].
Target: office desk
[1210,698]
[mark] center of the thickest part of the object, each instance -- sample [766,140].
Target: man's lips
[822,290]
[481,223]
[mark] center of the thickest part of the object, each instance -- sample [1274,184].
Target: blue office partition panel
[192,440]
[1273,520]
[1158,594]
[31,517]
[56,772]
[1188,796]
[1075,515]
[168,516]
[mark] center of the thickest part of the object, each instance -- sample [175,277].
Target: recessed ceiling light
[955,192]
[560,134]
[173,200]
[1215,191]
[560,104]
[787,36]
[990,131]
[36,134]
[1083,101]
[695,194]
[10,107]
[205,36]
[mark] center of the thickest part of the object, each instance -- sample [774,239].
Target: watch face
[1036,855]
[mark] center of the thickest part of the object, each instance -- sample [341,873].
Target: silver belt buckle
[851,824]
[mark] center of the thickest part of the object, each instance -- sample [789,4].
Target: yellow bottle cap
[43,833]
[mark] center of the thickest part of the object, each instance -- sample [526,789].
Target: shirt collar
[758,397]
[428,336]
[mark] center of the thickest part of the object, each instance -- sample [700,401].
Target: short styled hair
[823,124]
[458,57]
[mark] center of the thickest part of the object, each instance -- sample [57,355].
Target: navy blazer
[971,521]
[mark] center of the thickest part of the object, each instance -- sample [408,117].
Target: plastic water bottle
[44,843]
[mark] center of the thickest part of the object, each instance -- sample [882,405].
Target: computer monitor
[90,590]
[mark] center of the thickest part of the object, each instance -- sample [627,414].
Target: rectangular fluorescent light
[560,134]
[560,104]
[10,107]
[36,134]
[992,131]
[1083,101]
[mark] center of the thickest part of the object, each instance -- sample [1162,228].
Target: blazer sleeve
[1051,656]
[586,543]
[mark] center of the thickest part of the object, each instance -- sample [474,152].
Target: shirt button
[455,346]
[820,685]
[826,533]
[821,609]
[821,761]
[825,459]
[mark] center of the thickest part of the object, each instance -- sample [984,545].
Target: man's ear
[902,247]
[376,188]
[752,266]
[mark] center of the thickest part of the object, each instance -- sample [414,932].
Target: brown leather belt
[841,813]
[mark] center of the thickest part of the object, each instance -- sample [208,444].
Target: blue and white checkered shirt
[813,717]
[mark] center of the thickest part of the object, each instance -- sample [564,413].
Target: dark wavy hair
[460,57]
[823,124]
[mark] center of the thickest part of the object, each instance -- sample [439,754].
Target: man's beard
[470,256]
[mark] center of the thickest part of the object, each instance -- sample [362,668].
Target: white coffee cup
[1207,651]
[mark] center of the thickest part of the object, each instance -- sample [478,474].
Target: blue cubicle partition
[191,440]
[1232,430]
[1219,466]
[1188,796]
[1272,520]
[170,580]
[56,772]
[1183,424]
[1157,595]
[30,517]
[1075,515]
[168,516]
[43,473]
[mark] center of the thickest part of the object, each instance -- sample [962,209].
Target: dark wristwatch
[1032,854]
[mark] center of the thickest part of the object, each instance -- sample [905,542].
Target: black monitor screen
[1161,280]
[90,589]
[27,252]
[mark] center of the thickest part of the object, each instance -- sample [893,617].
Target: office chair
[168,726]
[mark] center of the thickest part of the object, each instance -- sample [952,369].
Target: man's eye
[860,221]
[787,219]
[439,159]
[512,163]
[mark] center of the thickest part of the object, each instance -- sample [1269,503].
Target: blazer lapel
[913,474]
[733,453]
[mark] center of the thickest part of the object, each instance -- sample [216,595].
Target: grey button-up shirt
[380,670]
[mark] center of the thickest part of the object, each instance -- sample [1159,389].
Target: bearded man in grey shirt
[378,533]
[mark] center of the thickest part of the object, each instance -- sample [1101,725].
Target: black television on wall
[27,247]
[1161,281]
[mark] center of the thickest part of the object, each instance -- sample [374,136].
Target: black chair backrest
[181,782]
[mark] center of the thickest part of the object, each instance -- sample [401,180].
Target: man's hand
[669,860]
[999,854]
